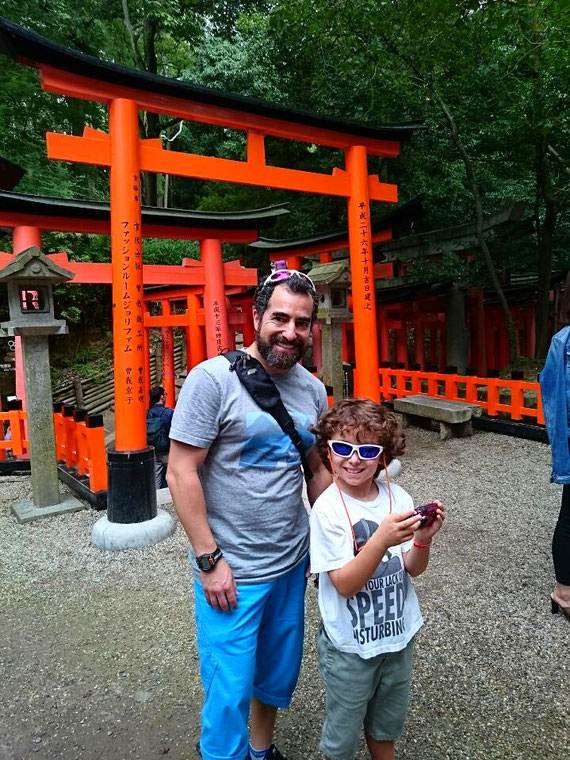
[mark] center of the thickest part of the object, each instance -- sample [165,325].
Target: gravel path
[98,655]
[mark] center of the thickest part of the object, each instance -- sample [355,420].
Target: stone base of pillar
[114,537]
[163,497]
[25,510]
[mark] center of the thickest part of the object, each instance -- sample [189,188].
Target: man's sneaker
[272,753]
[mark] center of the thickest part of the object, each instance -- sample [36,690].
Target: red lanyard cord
[335,478]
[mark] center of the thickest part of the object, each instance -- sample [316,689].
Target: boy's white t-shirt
[384,615]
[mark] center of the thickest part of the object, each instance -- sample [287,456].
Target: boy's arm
[394,529]
[417,559]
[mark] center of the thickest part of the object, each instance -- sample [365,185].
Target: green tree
[490,77]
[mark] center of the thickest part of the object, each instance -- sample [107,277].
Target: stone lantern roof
[333,272]
[33,266]
[32,275]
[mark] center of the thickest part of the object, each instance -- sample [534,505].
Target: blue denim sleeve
[555,391]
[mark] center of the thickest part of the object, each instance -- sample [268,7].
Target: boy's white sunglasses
[280,275]
[364,450]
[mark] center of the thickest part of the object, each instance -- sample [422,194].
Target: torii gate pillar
[215,311]
[23,238]
[367,378]
[168,369]
[132,519]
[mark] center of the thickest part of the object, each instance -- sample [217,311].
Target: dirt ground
[98,654]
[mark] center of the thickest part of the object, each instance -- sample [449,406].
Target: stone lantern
[332,281]
[30,278]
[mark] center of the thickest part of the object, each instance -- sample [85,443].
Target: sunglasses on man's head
[280,275]
[364,450]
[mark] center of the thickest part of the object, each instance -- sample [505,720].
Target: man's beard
[280,360]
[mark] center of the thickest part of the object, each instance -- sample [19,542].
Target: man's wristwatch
[207,562]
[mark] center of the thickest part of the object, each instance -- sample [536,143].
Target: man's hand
[220,587]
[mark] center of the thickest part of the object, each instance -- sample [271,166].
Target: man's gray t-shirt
[251,477]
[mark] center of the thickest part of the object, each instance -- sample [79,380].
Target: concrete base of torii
[133,520]
[113,537]
[25,510]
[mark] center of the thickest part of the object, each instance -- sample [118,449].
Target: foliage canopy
[490,79]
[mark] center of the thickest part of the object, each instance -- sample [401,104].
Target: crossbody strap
[258,383]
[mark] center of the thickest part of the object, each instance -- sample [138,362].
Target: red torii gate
[239,314]
[126,91]
[29,215]
[323,244]
[293,250]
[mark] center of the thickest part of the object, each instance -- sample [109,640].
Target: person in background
[555,392]
[158,421]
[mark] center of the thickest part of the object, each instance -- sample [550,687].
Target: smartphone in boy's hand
[427,512]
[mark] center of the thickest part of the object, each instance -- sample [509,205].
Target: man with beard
[236,481]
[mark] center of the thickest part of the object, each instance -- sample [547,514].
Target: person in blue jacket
[555,391]
[158,409]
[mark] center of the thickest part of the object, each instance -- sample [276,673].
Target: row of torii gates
[186,306]
[126,92]
[210,304]
[213,292]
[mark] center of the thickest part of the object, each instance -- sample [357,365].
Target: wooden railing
[80,443]
[98,394]
[18,443]
[518,399]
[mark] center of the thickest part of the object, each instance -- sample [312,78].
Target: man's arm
[321,479]
[184,462]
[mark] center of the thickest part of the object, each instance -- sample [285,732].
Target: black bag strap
[258,383]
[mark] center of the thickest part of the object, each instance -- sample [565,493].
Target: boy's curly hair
[367,421]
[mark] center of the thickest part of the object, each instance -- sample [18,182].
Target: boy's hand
[397,528]
[426,533]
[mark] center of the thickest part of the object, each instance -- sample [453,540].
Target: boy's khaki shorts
[372,692]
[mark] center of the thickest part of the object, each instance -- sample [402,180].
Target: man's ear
[256,319]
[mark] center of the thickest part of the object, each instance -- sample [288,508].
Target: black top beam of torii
[403,215]
[64,210]
[31,48]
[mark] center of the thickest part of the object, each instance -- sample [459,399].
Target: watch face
[208,561]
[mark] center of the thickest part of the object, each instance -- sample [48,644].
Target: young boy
[365,542]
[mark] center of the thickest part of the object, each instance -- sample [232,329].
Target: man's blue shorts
[254,650]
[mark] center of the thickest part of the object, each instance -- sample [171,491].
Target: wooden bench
[454,417]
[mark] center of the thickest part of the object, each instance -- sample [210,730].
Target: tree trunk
[494,277]
[152,121]
[545,237]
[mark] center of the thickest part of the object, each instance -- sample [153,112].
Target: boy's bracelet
[418,545]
